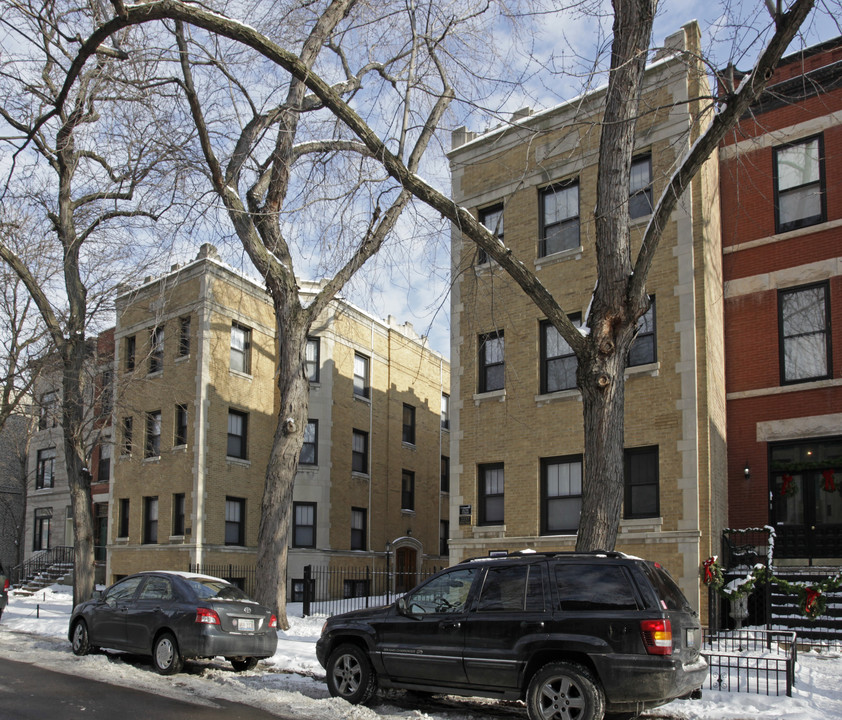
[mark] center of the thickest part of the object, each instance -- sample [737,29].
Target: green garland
[812,599]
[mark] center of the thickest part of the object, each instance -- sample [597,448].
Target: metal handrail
[42,561]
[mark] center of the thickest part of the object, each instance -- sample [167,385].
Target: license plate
[245,625]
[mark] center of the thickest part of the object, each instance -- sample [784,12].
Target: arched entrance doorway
[407,563]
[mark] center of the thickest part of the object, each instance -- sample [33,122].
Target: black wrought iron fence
[332,590]
[243,576]
[751,661]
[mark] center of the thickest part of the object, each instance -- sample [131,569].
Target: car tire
[350,675]
[243,664]
[564,691]
[80,641]
[166,656]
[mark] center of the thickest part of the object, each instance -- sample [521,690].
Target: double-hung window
[180,437]
[558,361]
[156,354]
[123,518]
[103,472]
[150,520]
[491,494]
[492,218]
[642,493]
[240,348]
[131,349]
[644,348]
[445,412]
[237,434]
[178,514]
[561,495]
[799,184]
[235,521]
[444,485]
[359,452]
[358,528]
[491,362]
[408,433]
[153,434]
[46,470]
[312,360]
[184,337]
[804,322]
[128,432]
[407,490]
[559,218]
[309,448]
[304,524]
[640,187]
[361,378]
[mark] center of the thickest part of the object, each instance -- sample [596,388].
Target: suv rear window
[593,587]
[669,594]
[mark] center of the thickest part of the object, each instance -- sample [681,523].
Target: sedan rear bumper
[212,642]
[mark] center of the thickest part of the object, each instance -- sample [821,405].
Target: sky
[291,683]
[413,286]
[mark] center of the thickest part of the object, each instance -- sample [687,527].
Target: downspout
[200,424]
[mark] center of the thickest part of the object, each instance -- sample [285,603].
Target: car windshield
[207,588]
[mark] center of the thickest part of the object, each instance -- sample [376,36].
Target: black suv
[574,635]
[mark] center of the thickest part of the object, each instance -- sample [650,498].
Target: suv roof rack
[503,554]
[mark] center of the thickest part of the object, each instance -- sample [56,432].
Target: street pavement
[28,692]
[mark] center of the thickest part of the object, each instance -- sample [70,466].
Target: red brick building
[781,200]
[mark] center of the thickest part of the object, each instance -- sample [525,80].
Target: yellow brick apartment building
[517,432]
[195,413]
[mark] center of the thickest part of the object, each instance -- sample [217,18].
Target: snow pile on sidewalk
[34,630]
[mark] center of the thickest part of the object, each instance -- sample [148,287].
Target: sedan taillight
[207,616]
[6,585]
[657,636]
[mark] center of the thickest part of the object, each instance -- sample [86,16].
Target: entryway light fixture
[747,471]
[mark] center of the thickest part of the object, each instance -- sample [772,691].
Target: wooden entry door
[405,563]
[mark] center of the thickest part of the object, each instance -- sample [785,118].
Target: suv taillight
[207,616]
[6,585]
[657,636]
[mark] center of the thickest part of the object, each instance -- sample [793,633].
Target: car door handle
[531,625]
[451,625]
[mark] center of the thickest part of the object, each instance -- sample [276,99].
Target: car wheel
[165,655]
[564,691]
[243,664]
[80,641]
[350,675]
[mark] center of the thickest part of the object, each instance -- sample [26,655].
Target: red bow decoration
[787,482]
[812,596]
[829,481]
[709,570]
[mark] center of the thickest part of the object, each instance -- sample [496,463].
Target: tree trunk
[78,480]
[276,509]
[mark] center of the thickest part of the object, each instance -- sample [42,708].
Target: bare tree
[79,178]
[255,210]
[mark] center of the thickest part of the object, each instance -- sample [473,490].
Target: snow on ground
[291,683]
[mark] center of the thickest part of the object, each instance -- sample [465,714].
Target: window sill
[361,475]
[362,398]
[239,374]
[499,395]
[489,531]
[156,374]
[405,511]
[547,398]
[179,448]
[152,460]
[176,539]
[643,219]
[242,462]
[308,468]
[182,359]
[557,257]
[650,369]
[409,446]
[42,490]
[641,525]
[121,541]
